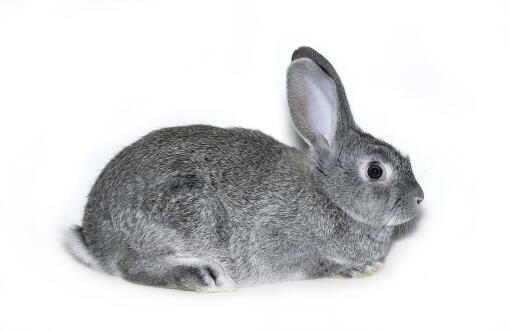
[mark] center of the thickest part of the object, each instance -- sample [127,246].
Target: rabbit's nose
[418,194]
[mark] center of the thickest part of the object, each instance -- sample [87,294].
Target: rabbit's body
[206,209]
[211,193]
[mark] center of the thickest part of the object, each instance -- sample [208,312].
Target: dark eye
[374,171]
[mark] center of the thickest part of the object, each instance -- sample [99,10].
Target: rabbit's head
[366,177]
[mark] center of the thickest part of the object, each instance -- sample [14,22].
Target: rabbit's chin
[397,222]
[404,218]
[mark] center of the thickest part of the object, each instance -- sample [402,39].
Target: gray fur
[204,208]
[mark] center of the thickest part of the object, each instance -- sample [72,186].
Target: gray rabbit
[209,209]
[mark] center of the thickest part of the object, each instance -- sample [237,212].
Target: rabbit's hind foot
[364,271]
[185,273]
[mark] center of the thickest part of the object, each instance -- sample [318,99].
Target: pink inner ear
[320,104]
[324,139]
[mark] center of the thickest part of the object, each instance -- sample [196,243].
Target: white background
[79,80]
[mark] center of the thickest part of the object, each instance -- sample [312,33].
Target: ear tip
[300,65]
[304,52]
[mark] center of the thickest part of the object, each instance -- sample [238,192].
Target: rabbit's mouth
[404,215]
[406,208]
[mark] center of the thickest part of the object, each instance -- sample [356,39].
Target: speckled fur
[208,209]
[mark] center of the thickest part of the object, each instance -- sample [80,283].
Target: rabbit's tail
[75,243]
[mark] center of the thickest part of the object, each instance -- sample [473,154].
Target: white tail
[77,247]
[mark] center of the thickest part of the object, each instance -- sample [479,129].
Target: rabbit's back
[195,191]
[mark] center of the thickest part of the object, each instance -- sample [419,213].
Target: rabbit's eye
[374,171]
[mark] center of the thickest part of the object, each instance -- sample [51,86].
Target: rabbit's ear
[316,97]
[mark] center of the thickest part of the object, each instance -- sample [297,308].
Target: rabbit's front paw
[360,272]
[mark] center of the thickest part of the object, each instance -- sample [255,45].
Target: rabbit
[210,209]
